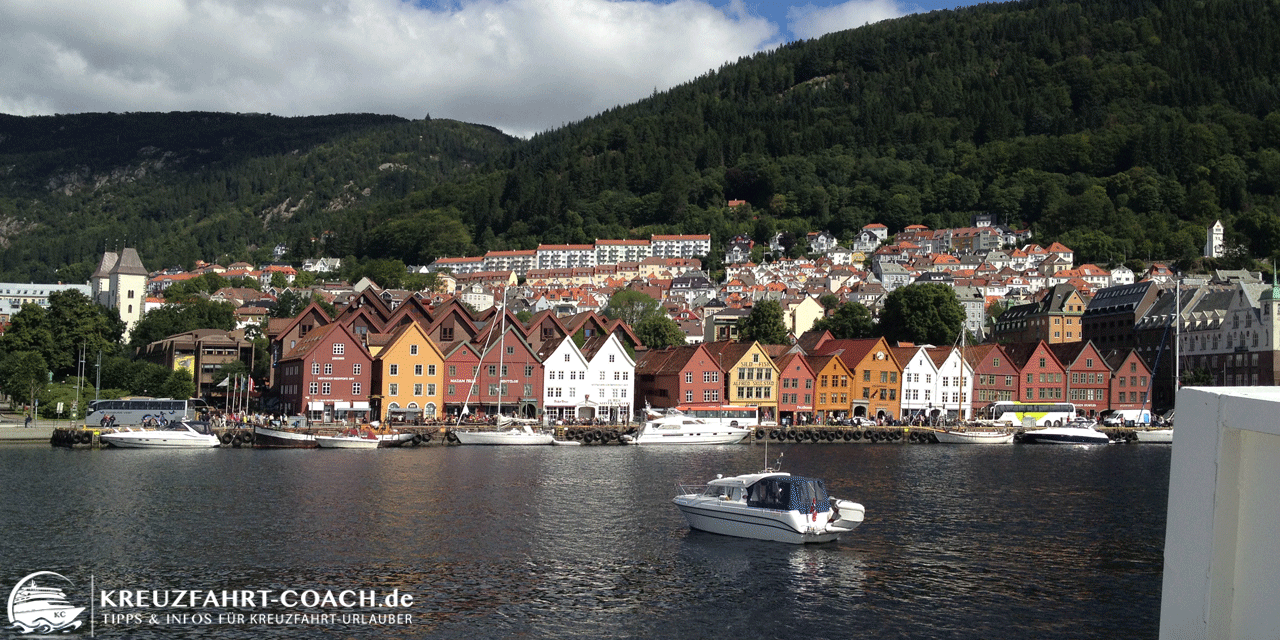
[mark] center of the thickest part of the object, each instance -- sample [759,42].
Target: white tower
[1213,241]
[121,282]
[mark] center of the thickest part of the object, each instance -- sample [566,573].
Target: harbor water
[1018,541]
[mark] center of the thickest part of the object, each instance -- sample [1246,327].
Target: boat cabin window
[788,493]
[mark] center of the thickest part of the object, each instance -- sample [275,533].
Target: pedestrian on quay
[28,424]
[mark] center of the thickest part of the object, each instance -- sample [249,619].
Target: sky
[523,66]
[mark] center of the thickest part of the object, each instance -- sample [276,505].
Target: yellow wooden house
[408,376]
[751,377]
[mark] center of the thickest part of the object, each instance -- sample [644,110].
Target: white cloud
[521,65]
[810,21]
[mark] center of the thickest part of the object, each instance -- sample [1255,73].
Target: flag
[224,381]
[250,379]
[465,410]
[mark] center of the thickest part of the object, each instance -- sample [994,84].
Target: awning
[315,406]
[360,406]
[341,404]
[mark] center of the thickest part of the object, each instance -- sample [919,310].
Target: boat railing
[687,489]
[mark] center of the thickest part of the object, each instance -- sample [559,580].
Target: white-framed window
[339,348]
[417,389]
[328,368]
[431,369]
[355,388]
[315,368]
[355,369]
[413,349]
[324,389]
[393,389]
[393,370]
[431,389]
[417,369]
[611,357]
[314,387]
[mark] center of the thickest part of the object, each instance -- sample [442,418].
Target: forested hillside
[1120,128]
[188,186]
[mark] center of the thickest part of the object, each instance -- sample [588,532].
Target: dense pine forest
[1122,129]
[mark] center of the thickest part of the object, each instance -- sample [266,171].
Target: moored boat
[350,439]
[1155,436]
[1074,432]
[519,435]
[176,435]
[283,438]
[683,429]
[769,505]
[980,434]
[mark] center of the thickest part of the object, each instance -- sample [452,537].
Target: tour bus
[1045,414]
[136,411]
[723,415]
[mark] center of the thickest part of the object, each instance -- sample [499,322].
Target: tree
[764,324]
[168,320]
[829,301]
[659,332]
[178,385]
[632,307]
[851,321]
[926,313]
[30,331]
[24,375]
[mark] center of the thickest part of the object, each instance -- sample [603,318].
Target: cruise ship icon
[37,609]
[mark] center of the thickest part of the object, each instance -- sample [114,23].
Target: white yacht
[683,429]
[1157,436]
[974,435]
[1079,431]
[769,506]
[176,435]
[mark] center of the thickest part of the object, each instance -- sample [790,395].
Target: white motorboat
[1080,431]
[350,439]
[682,429]
[1156,436]
[519,435]
[769,506]
[175,435]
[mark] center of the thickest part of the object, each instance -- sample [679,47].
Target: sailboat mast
[1177,334]
[502,336]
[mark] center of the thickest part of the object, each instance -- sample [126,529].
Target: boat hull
[1155,436]
[347,442]
[738,520]
[269,438]
[515,437]
[973,437]
[1065,435]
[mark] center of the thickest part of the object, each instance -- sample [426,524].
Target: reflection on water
[959,542]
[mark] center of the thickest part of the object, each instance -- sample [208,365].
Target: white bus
[136,411]
[1045,414]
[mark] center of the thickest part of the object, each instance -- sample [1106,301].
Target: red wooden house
[1041,377]
[678,375]
[1088,376]
[795,388]
[995,377]
[328,375]
[1130,384]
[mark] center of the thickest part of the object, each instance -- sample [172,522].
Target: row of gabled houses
[820,378]
[422,362]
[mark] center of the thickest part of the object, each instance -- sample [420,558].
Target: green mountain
[1120,128]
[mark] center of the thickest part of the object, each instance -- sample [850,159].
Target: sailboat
[519,431]
[964,435]
[1165,436]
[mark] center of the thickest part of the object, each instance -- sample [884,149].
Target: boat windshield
[788,493]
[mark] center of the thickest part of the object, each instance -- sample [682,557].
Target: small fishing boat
[979,435]
[350,439]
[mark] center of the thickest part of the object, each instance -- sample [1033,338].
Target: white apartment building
[615,251]
[565,256]
[680,246]
[520,262]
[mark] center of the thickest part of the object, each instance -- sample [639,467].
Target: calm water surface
[1021,541]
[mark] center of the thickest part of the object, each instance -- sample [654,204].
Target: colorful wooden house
[327,375]
[408,377]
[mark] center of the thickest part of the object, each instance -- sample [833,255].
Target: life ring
[759,434]
[225,438]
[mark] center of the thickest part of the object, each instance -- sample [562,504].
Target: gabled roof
[669,361]
[728,352]
[319,336]
[1020,353]
[311,310]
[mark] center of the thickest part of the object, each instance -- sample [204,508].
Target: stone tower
[120,282]
[1213,241]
